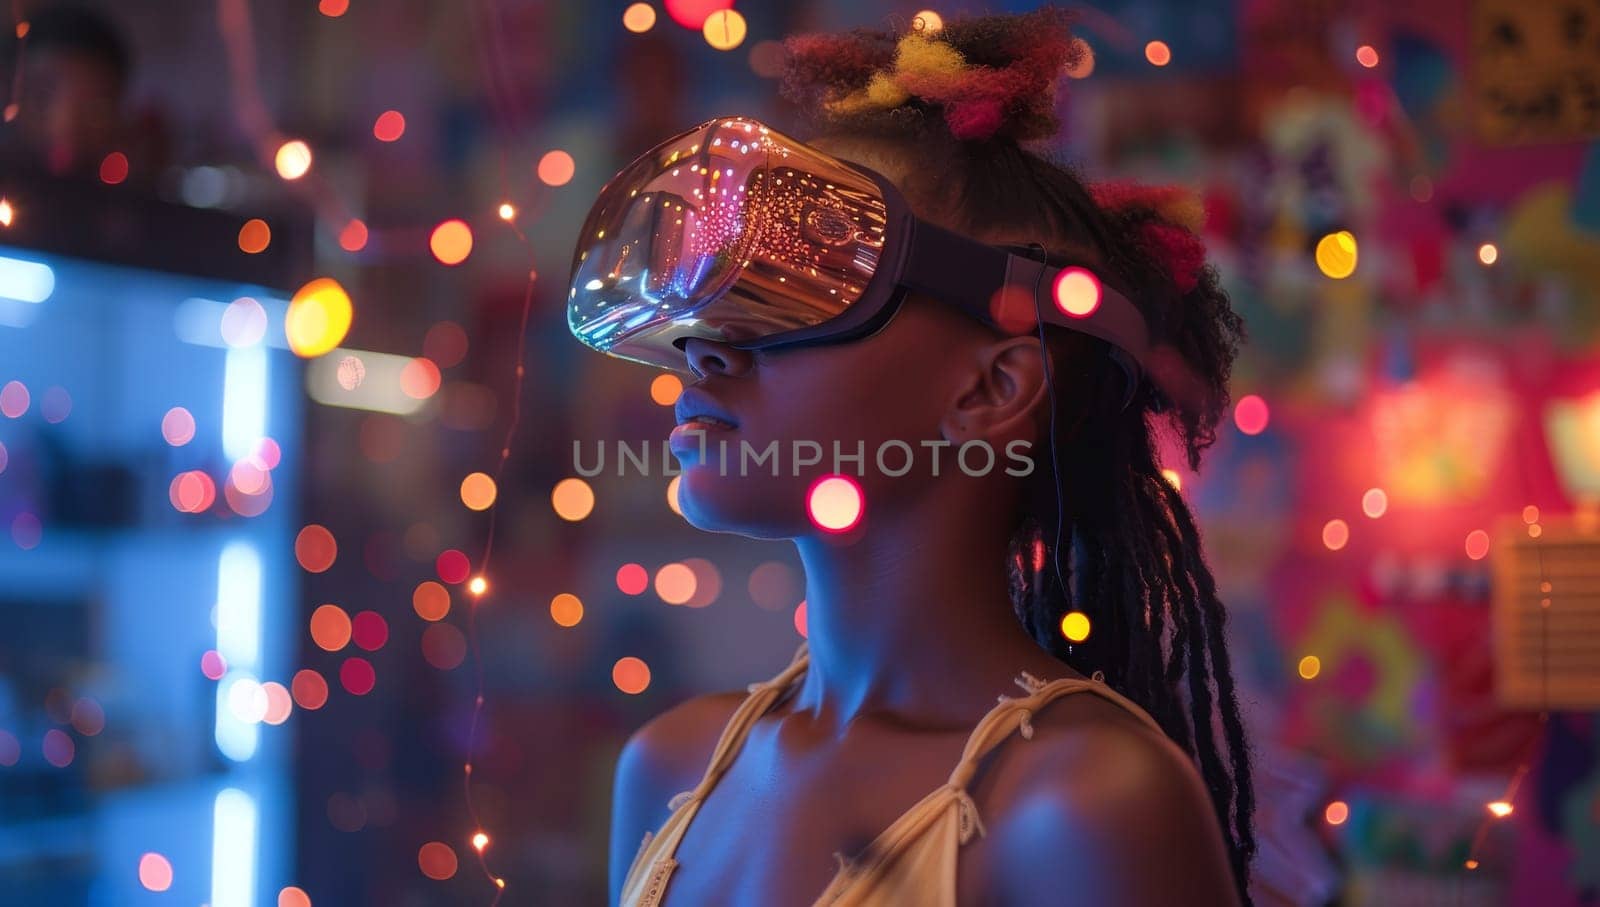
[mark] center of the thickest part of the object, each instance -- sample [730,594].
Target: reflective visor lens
[730,231]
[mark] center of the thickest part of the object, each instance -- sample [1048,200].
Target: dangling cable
[1055,468]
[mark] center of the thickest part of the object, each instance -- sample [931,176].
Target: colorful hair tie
[1168,230]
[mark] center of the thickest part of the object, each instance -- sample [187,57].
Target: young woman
[916,281]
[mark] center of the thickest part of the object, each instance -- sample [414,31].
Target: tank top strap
[761,697]
[1015,713]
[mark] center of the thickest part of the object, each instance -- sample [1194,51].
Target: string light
[507,212]
[478,586]
[293,159]
[6,213]
[480,841]
[1499,809]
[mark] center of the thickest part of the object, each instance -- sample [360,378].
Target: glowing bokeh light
[10,749]
[1499,809]
[26,531]
[58,748]
[1158,53]
[1076,292]
[453,566]
[800,620]
[835,503]
[693,13]
[774,586]
[707,582]
[1336,813]
[333,9]
[192,492]
[437,860]
[1083,67]
[254,236]
[352,371]
[1335,534]
[566,609]
[1310,666]
[1375,503]
[507,211]
[478,585]
[357,676]
[1075,626]
[55,405]
[675,583]
[14,399]
[430,600]
[478,491]
[293,159]
[368,630]
[114,168]
[330,628]
[389,126]
[665,389]
[927,21]
[249,504]
[88,718]
[248,476]
[445,343]
[724,29]
[315,548]
[631,675]
[420,378]
[556,168]
[443,646]
[451,242]
[1251,415]
[1488,254]
[1173,478]
[309,689]
[639,18]
[572,499]
[1336,254]
[632,579]
[1367,56]
[247,700]
[674,488]
[318,318]
[353,238]
[480,841]
[244,322]
[7,213]
[1477,544]
[155,872]
[212,665]
[279,703]
[1530,514]
[293,897]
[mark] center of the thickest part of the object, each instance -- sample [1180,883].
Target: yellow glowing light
[672,496]
[665,389]
[927,22]
[1488,253]
[480,841]
[1337,812]
[1375,503]
[451,242]
[1158,53]
[478,585]
[1500,809]
[1471,864]
[318,318]
[293,159]
[500,883]
[1075,626]
[478,491]
[1335,534]
[1477,544]
[6,214]
[1173,479]
[1534,531]
[724,29]
[639,18]
[1336,254]
[1367,56]
[507,212]
[254,236]
[556,168]
[1310,667]
[675,583]
[566,609]
[631,675]
[573,499]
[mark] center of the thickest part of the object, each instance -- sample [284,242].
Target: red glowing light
[114,169]
[443,646]
[390,126]
[59,748]
[1250,415]
[353,238]
[800,620]
[309,689]
[369,630]
[835,503]
[453,567]
[693,13]
[213,665]
[632,579]
[357,676]
[420,378]
[1076,292]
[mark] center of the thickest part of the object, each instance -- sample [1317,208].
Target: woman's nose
[708,357]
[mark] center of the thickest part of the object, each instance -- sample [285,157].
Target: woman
[882,743]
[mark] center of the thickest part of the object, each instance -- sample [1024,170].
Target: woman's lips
[696,434]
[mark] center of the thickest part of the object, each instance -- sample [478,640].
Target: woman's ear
[1004,395]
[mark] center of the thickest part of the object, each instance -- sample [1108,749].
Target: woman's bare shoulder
[680,740]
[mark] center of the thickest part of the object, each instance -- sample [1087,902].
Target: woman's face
[897,385]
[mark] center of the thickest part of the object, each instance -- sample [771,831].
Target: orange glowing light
[437,860]
[478,585]
[6,213]
[1477,544]
[430,600]
[632,579]
[1488,254]
[389,126]
[480,841]
[508,211]
[309,689]
[1335,534]
[420,378]
[573,499]
[353,238]
[1251,415]
[631,675]
[1075,626]
[478,491]
[1367,56]
[1158,53]
[1375,503]
[1471,864]
[1310,666]
[639,18]
[927,22]
[1530,514]
[556,168]
[1337,812]
[1500,809]
[451,242]
[1076,292]
[114,168]
[155,872]
[279,703]
[673,503]
[293,897]
[315,548]
[835,503]
[566,609]
[318,318]
[254,236]
[675,583]
[333,9]
[330,628]
[293,159]
[22,30]
[665,389]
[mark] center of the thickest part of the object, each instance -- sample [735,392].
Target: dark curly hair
[1105,533]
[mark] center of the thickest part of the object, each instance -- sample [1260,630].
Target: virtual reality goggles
[734,232]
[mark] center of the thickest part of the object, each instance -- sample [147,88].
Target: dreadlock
[951,111]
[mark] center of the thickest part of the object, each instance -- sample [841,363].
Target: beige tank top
[913,861]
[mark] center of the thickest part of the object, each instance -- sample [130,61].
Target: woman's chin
[740,505]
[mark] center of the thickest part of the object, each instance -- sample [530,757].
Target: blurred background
[269,274]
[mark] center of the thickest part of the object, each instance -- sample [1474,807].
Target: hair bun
[982,77]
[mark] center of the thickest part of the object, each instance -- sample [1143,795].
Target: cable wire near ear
[1050,385]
